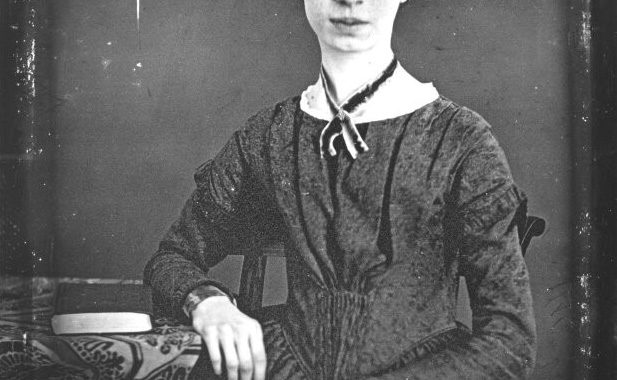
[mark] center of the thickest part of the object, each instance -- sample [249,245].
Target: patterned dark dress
[375,246]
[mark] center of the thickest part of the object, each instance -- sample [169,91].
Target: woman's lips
[348,25]
[347,21]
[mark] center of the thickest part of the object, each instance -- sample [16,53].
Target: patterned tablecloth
[30,351]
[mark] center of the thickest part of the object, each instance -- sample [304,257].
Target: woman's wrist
[200,294]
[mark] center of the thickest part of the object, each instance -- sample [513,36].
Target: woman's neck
[349,71]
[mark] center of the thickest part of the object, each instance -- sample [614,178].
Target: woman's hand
[224,327]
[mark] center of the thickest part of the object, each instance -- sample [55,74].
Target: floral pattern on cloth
[29,350]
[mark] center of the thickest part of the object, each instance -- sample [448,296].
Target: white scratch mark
[31,67]
[584,230]
[105,62]
[584,282]
[586,34]
[138,17]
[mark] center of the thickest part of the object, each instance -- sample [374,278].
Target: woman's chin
[351,44]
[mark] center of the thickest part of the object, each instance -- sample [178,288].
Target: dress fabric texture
[374,246]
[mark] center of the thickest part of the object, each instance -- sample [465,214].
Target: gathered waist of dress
[339,334]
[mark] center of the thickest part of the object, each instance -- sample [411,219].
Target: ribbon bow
[342,123]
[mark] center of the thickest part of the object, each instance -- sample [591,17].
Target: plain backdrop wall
[138,106]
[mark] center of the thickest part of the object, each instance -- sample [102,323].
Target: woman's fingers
[245,360]
[211,338]
[258,352]
[227,340]
[232,338]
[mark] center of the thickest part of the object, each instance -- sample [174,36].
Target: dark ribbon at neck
[342,124]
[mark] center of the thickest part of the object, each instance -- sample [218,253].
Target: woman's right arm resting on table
[202,236]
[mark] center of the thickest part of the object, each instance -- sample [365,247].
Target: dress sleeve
[211,225]
[502,344]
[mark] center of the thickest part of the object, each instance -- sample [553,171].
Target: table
[29,350]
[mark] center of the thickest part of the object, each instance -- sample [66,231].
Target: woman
[384,193]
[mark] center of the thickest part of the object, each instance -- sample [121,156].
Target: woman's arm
[204,232]
[503,341]
[216,220]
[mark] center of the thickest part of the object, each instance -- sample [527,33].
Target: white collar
[399,95]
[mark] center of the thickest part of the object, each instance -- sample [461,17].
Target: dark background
[134,112]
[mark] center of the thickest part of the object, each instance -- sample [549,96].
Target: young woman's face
[352,25]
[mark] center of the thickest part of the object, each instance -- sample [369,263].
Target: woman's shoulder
[269,115]
[456,123]
[463,119]
[257,130]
